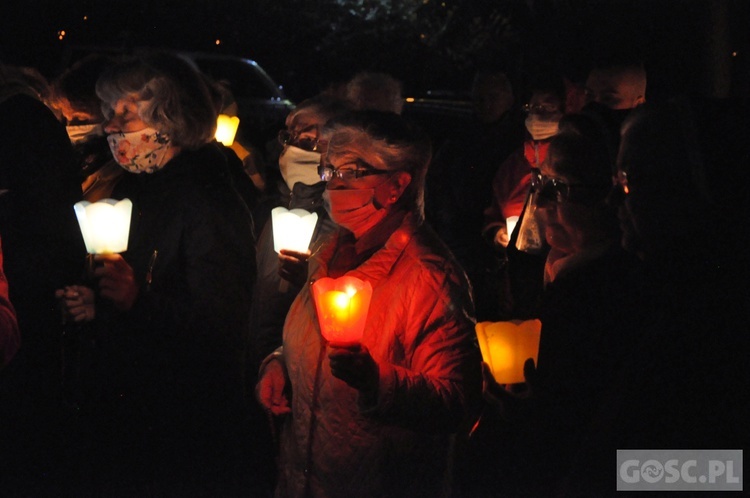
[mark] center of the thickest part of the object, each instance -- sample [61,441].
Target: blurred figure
[376,419]
[74,95]
[42,249]
[590,320]
[459,184]
[511,193]
[617,85]
[281,276]
[685,383]
[512,179]
[376,91]
[676,222]
[10,339]
[163,408]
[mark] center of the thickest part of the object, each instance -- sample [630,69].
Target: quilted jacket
[420,330]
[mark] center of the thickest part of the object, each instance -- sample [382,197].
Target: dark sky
[672,35]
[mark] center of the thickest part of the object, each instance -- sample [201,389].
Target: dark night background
[693,45]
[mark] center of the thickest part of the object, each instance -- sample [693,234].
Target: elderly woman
[376,419]
[590,313]
[170,315]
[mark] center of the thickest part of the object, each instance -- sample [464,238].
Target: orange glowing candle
[342,305]
[506,346]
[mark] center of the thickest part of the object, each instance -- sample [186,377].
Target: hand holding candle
[354,365]
[506,346]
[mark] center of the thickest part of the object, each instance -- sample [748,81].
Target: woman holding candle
[375,418]
[164,402]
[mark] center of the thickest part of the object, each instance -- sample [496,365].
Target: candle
[105,224]
[292,229]
[505,347]
[226,129]
[510,223]
[342,305]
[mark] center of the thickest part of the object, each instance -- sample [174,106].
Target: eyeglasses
[556,190]
[541,109]
[287,137]
[349,171]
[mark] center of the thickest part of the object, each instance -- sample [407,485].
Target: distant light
[422,36]
[61,34]
[218,41]
[410,99]
[85,18]
[734,54]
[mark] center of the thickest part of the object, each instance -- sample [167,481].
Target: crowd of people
[193,363]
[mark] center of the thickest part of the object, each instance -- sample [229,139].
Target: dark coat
[171,368]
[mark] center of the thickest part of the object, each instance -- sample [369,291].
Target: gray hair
[173,97]
[401,145]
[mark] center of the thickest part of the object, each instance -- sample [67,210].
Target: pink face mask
[354,209]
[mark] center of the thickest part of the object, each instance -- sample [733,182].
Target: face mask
[81,133]
[353,209]
[140,151]
[299,166]
[540,129]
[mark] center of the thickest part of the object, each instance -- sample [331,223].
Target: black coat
[169,372]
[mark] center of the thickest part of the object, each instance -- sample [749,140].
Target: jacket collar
[379,265]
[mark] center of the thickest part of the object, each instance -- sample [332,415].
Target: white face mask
[353,209]
[299,166]
[539,128]
[140,151]
[81,133]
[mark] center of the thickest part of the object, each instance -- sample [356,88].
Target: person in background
[685,385]
[10,339]
[459,184]
[617,84]
[376,91]
[512,179]
[163,411]
[375,419]
[590,313]
[43,249]
[74,95]
[281,276]
[511,194]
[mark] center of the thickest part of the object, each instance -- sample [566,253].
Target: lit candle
[342,305]
[505,347]
[510,223]
[105,224]
[226,129]
[292,229]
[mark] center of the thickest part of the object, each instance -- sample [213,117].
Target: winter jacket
[420,331]
[271,299]
[170,369]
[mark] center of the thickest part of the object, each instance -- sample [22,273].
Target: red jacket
[420,330]
[511,183]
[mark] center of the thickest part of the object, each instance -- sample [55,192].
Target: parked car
[262,105]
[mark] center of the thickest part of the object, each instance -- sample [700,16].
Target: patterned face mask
[140,151]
